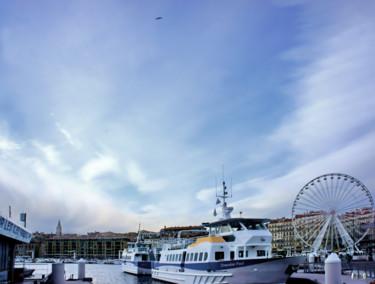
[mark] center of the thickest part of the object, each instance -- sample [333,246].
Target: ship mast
[224,208]
[139,239]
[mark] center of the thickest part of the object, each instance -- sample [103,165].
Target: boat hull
[137,267]
[271,270]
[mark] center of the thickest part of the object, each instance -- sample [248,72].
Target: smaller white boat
[137,258]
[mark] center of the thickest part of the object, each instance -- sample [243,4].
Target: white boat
[137,258]
[237,250]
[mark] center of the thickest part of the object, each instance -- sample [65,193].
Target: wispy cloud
[98,167]
[68,136]
[126,118]
[7,145]
[137,177]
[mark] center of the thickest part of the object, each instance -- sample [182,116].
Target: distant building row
[106,245]
[94,245]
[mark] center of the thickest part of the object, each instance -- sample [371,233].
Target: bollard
[58,273]
[333,269]
[311,262]
[81,268]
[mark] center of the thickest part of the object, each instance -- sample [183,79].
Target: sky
[110,118]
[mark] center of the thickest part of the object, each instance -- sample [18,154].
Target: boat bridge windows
[231,226]
[190,257]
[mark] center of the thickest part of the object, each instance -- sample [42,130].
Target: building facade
[285,241]
[105,246]
[283,237]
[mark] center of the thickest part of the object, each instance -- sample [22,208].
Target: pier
[349,272]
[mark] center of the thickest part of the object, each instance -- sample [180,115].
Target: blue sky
[109,117]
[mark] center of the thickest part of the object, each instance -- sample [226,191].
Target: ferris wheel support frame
[330,202]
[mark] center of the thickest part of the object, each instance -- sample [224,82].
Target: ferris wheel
[329,212]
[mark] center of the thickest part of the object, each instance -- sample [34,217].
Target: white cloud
[8,145]
[99,166]
[334,91]
[72,141]
[138,178]
[206,195]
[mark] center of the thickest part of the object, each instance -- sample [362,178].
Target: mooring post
[333,269]
[58,273]
[81,268]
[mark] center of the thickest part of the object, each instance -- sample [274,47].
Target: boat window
[200,256]
[225,228]
[180,257]
[261,253]
[219,255]
[196,256]
[236,226]
[240,253]
[205,256]
[256,226]
[187,256]
[247,253]
[167,257]
[230,238]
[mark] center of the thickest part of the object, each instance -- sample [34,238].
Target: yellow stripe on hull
[210,239]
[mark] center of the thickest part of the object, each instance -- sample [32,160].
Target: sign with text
[14,231]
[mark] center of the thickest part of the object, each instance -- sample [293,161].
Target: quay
[34,281]
[320,279]
[334,270]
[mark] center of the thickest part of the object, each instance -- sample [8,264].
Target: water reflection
[101,273]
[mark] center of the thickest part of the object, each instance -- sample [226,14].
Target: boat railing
[182,243]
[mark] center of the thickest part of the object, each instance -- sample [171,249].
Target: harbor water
[100,273]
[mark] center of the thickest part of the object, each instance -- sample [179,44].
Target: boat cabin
[230,239]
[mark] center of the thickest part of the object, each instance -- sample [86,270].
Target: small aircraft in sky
[158,18]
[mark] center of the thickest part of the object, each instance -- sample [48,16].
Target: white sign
[14,231]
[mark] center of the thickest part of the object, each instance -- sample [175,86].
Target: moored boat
[237,250]
[137,258]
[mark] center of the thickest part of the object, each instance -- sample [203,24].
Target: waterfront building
[35,248]
[90,246]
[11,234]
[283,238]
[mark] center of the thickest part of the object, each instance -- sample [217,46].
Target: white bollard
[333,269]
[58,273]
[81,268]
[311,262]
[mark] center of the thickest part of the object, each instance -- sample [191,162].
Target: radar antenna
[225,209]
